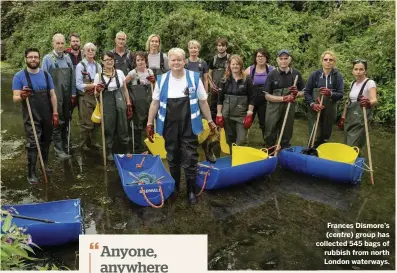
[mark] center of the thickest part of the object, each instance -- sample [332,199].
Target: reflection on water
[271,223]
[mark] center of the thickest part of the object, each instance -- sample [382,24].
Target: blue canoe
[292,159]
[66,214]
[130,169]
[221,174]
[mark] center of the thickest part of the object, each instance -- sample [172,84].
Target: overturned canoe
[55,223]
[145,180]
[221,174]
[292,159]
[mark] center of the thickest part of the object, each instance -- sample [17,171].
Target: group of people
[147,88]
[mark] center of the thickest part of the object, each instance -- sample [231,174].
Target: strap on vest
[161,61]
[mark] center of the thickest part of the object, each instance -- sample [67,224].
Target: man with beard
[74,50]
[37,85]
[61,69]
[216,72]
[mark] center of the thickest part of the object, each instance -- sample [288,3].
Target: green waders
[217,76]
[354,125]
[327,118]
[234,111]
[115,119]
[62,78]
[142,97]
[275,112]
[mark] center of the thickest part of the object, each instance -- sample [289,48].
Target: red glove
[365,102]
[289,98]
[73,101]
[317,107]
[55,120]
[341,123]
[25,92]
[150,132]
[99,87]
[248,121]
[293,90]
[151,78]
[129,111]
[325,91]
[212,126]
[220,121]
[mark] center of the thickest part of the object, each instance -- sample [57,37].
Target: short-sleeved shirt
[154,61]
[357,87]
[38,81]
[113,83]
[177,88]
[194,66]
[142,76]
[278,79]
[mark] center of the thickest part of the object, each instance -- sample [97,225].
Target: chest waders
[161,70]
[327,118]
[260,106]
[217,75]
[62,78]
[275,112]
[87,105]
[142,97]
[114,116]
[354,122]
[234,111]
[41,107]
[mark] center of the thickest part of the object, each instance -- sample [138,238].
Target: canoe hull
[223,175]
[292,159]
[67,214]
[151,165]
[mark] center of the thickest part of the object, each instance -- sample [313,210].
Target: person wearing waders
[85,74]
[326,82]
[194,63]
[142,83]
[117,108]
[37,85]
[279,91]
[235,103]
[258,73]
[59,65]
[157,60]
[216,72]
[362,94]
[75,54]
[177,99]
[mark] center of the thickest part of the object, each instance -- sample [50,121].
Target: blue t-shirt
[38,81]
[194,66]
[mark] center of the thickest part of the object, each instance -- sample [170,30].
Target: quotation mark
[94,246]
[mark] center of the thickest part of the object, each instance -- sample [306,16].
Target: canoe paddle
[284,122]
[368,145]
[30,218]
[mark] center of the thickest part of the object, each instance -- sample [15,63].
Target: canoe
[221,174]
[65,213]
[292,159]
[145,179]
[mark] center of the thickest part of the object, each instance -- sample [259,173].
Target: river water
[266,224]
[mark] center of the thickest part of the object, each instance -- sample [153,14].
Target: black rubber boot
[109,155]
[176,175]
[44,154]
[32,159]
[191,189]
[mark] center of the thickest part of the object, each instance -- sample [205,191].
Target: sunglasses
[328,60]
[359,61]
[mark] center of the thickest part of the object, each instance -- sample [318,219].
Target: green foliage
[16,247]
[353,29]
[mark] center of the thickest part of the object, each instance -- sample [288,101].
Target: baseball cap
[283,51]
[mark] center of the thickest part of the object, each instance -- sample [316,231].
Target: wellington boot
[44,154]
[59,151]
[176,175]
[191,189]
[32,159]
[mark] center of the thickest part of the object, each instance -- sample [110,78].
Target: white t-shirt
[177,87]
[142,76]
[154,61]
[357,87]
[113,84]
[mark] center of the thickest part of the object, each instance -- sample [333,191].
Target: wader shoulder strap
[130,59]
[46,74]
[54,59]
[161,60]
[85,70]
[117,79]
[104,82]
[362,88]
[27,76]
[252,74]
